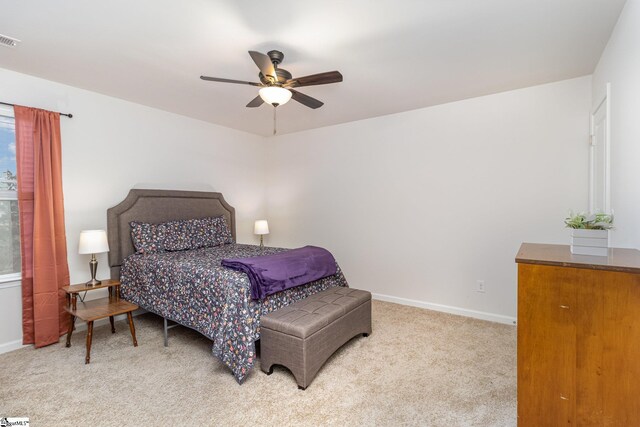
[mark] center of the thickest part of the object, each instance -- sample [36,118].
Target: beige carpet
[419,367]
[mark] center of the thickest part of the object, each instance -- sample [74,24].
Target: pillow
[180,235]
[223,232]
[208,232]
[147,238]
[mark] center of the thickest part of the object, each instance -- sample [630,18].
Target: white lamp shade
[261,227]
[275,95]
[93,242]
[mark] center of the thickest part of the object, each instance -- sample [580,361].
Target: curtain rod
[13,105]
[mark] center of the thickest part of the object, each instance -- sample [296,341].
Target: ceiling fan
[277,84]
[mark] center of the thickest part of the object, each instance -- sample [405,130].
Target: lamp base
[93,266]
[93,282]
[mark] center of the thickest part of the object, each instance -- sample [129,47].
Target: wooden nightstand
[97,309]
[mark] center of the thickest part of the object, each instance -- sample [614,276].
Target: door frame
[605,102]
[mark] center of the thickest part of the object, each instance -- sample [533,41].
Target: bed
[190,287]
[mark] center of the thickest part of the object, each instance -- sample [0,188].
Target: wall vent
[8,41]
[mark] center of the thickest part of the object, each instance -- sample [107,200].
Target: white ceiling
[395,55]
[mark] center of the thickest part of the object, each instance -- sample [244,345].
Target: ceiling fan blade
[315,79]
[255,102]
[306,99]
[240,82]
[264,63]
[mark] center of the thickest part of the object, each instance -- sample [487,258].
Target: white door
[599,189]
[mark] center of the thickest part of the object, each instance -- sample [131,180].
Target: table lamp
[93,242]
[261,227]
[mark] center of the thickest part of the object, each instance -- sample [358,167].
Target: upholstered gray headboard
[156,206]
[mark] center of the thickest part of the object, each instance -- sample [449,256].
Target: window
[9,221]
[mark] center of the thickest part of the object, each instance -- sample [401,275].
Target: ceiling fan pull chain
[274,119]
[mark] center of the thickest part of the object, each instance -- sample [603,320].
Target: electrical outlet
[480,286]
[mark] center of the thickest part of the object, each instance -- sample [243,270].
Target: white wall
[620,65]
[111,145]
[420,205]
[417,205]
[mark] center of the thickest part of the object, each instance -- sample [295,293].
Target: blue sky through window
[7,145]
[9,223]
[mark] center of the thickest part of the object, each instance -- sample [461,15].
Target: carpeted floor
[419,367]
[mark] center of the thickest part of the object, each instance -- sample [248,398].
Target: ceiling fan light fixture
[275,95]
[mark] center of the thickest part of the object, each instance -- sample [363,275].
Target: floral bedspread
[192,288]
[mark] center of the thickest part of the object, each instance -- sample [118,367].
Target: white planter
[590,242]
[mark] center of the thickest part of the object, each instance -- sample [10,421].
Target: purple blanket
[274,273]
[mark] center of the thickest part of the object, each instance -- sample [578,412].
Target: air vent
[8,41]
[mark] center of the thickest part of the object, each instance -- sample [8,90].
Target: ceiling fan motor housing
[283,76]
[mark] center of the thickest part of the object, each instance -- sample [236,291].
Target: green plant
[599,221]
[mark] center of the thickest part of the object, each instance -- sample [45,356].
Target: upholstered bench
[303,335]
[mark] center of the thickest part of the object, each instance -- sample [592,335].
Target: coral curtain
[42,232]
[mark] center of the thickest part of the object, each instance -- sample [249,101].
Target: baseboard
[11,345]
[491,317]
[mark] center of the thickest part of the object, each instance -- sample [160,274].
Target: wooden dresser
[578,337]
